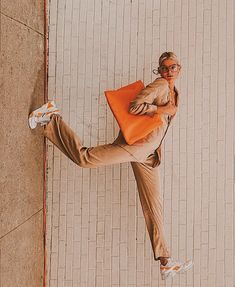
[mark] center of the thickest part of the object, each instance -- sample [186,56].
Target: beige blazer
[155,94]
[146,102]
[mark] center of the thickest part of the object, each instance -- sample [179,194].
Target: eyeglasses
[172,68]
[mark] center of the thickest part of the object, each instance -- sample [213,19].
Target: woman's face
[169,70]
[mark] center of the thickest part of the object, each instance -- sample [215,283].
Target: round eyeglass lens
[174,68]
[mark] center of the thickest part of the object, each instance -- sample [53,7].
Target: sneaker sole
[32,123]
[168,275]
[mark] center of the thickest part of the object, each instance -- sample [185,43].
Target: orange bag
[133,127]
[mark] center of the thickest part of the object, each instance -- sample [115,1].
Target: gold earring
[155,71]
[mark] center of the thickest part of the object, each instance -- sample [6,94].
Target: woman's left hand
[169,109]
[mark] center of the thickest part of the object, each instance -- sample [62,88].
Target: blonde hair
[167,55]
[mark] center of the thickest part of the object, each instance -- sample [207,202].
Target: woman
[160,97]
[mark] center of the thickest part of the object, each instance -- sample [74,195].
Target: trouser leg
[60,134]
[147,177]
[148,184]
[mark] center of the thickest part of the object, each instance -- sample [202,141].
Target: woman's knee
[83,164]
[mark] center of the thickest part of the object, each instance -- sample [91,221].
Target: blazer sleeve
[145,102]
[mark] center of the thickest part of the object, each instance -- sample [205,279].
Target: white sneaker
[42,115]
[174,266]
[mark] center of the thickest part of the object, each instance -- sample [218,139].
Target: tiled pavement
[96,235]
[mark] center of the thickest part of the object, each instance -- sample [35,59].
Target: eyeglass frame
[157,71]
[168,68]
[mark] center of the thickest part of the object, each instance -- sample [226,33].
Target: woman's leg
[148,183]
[60,134]
[147,177]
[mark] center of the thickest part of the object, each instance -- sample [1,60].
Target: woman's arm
[169,109]
[143,103]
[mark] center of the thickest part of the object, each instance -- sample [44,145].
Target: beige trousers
[146,175]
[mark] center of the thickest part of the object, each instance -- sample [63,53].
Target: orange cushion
[133,127]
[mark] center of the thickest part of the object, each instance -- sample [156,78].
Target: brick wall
[96,231]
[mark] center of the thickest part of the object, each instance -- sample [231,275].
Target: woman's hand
[169,109]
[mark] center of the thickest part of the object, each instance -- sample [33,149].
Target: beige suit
[144,156]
